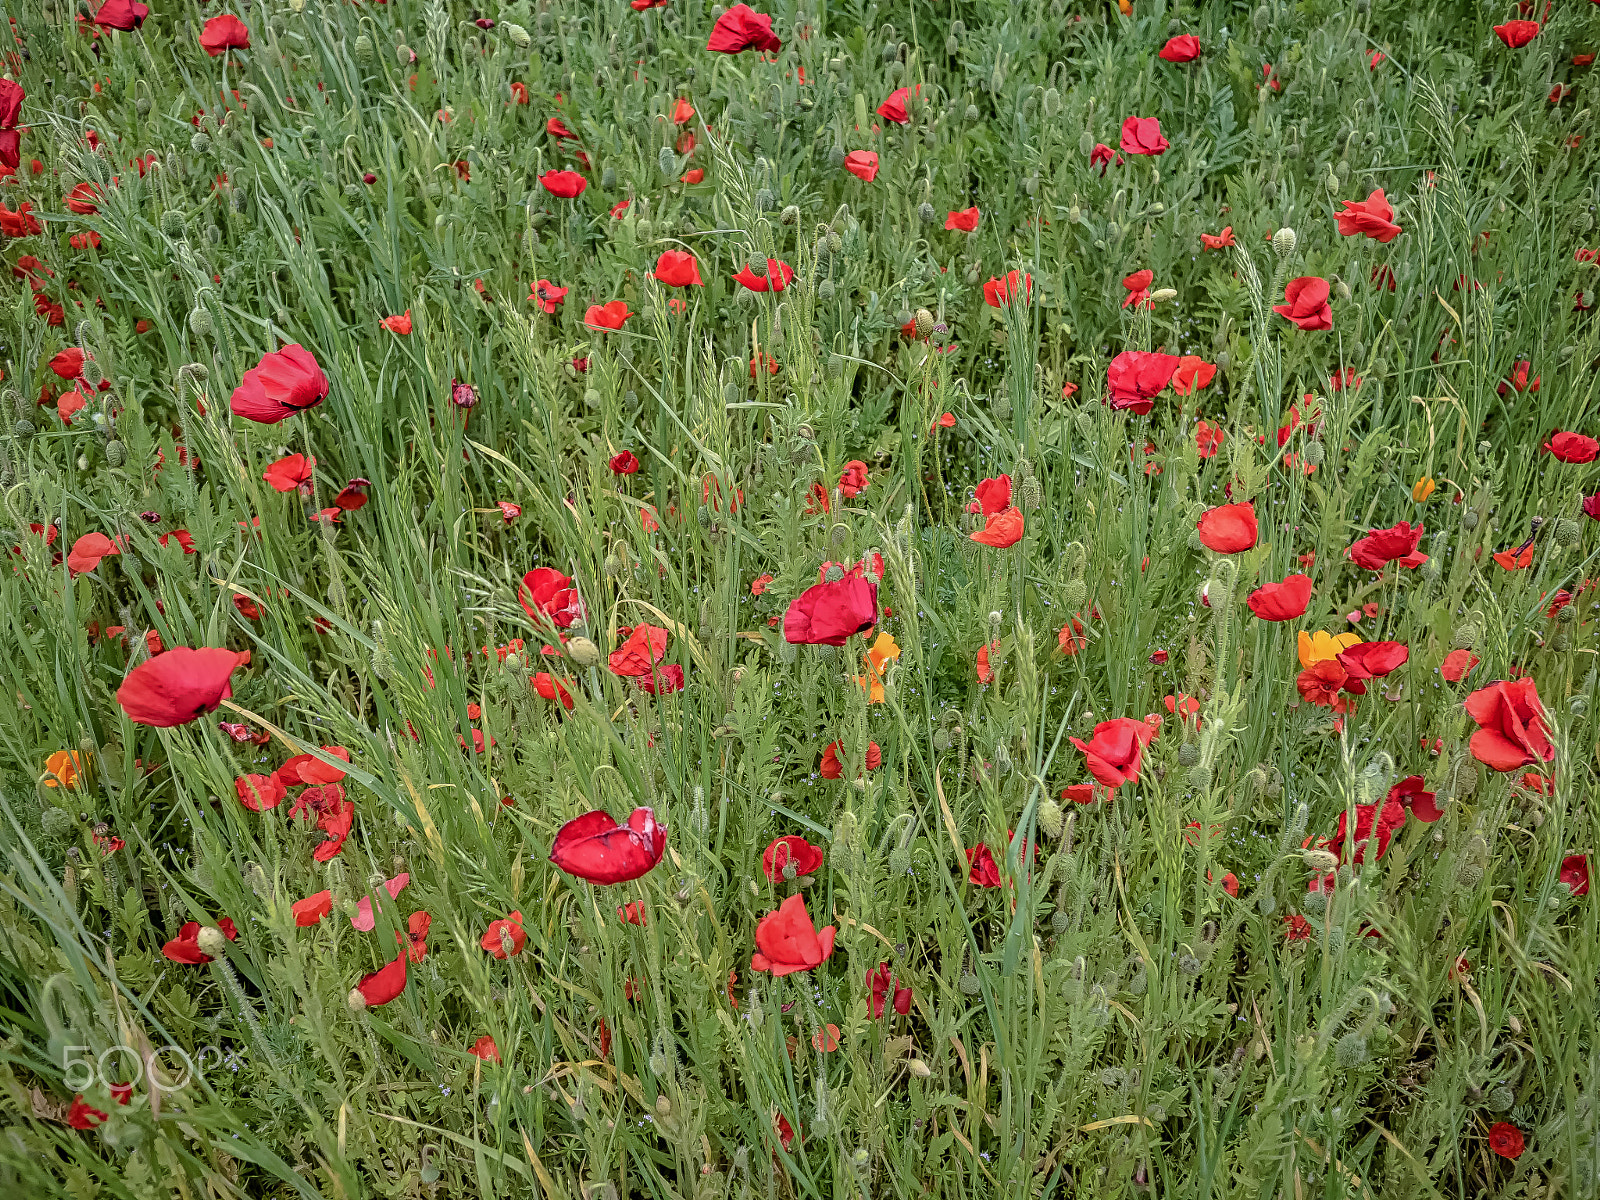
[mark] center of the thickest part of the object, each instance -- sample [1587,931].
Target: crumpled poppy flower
[309,769]
[963,220]
[548,686]
[1380,547]
[863,164]
[176,687]
[400,324]
[1372,217]
[88,550]
[625,463]
[292,472]
[1373,660]
[787,942]
[1114,752]
[567,185]
[1217,241]
[881,983]
[982,869]
[366,920]
[1181,49]
[68,363]
[81,200]
[1070,638]
[1518,379]
[778,276]
[606,316]
[335,820]
[1192,374]
[1517,34]
[546,593]
[1572,447]
[380,986]
[1004,528]
[894,108]
[1575,874]
[1306,303]
[1518,558]
[1101,156]
[985,671]
[557,128]
[1457,664]
[1372,821]
[992,495]
[826,614]
[1281,601]
[1138,288]
[312,909]
[1228,528]
[742,28]
[1506,1139]
[678,268]
[854,479]
[1419,802]
[595,848]
[1323,682]
[282,384]
[997,292]
[185,948]
[789,857]
[485,1049]
[224,33]
[123,15]
[260,792]
[663,681]
[832,767]
[1136,377]
[505,937]
[1511,729]
[1142,135]
[61,769]
[83,1115]
[547,295]
[643,648]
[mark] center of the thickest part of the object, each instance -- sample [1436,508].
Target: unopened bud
[211,940]
[583,652]
[516,35]
[1162,295]
[919,1068]
[1284,241]
[1320,861]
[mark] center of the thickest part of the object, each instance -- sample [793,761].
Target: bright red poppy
[1228,528]
[1511,727]
[787,941]
[625,463]
[1136,377]
[1281,601]
[88,550]
[1575,874]
[547,594]
[1418,801]
[1217,241]
[963,220]
[881,985]
[678,268]
[1137,286]
[1114,752]
[283,383]
[1517,34]
[992,495]
[505,937]
[1306,303]
[1457,664]
[224,33]
[547,295]
[982,870]
[260,792]
[1572,447]
[826,614]
[124,15]
[997,292]
[185,948]
[1380,547]
[741,28]
[568,185]
[380,986]
[863,164]
[400,324]
[293,472]
[640,652]
[1142,135]
[1004,528]
[180,685]
[606,316]
[1506,1139]
[778,276]
[312,909]
[595,848]
[1373,660]
[789,858]
[894,108]
[1181,49]
[1372,217]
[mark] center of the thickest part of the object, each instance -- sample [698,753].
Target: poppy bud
[972,113]
[1188,754]
[583,652]
[1283,242]
[364,51]
[1051,819]
[92,375]
[200,322]
[211,940]
[1566,532]
[1162,295]
[1200,778]
[172,223]
[200,143]
[517,35]
[1314,454]
[1351,1050]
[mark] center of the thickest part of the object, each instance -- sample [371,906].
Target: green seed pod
[116,454]
[405,55]
[142,106]
[969,984]
[239,201]
[1189,965]
[516,35]
[1086,143]
[1188,754]
[1051,104]
[591,398]
[1059,921]
[926,213]
[1501,1099]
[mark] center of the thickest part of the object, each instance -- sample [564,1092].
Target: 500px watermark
[157,1066]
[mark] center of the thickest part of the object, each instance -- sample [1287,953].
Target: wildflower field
[866,600]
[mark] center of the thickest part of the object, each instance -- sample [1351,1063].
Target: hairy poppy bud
[924,320]
[1284,241]
[1468,876]
[142,106]
[200,322]
[1341,288]
[211,940]
[200,143]
[516,35]
[356,1000]
[116,454]
[1188,754]
[1565,533]
[405,55]
[1351,1050]
[1200,778]
[972,113]
[364,51]
[1162,295]
[1051,819]
[1501,1099]
[583,652]
[1320,861]
[172,223]
[836,157]
[1314,454]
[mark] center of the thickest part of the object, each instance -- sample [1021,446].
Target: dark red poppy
[1372,217]
[1517,34]
[881,984]
[380,986]
[640,651]
[982,870]
[83,1115]
[224,33]
[1181,49]
[1506,1139]
[777,277]
[789,858]
[1418,801]
[1575,874]
[282,384]
[1142,135]
[595,848]
[1572,447]
[1372,821]
[624,463]
[1228,528]
[1281,601]
[1101,156]
[741,28]
[176,687]
[828,613]
[259,792]
[1114,752]
[1511,726]
[663,681]
[1380,547]
[546,593]
[1136,377]
[787,941]
[125,15]
[505,937]
[1306,303]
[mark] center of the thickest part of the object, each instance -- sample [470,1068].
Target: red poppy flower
[1518,379]
[1281,601]
[1575,874]
[21,223]
[1114,752]
[1572,447]
[125,15]
[863,164]
[1517,34]
[1004,528]
[400,324]
[992,495]
[176,687]
[595,848]
[1306,303]
[1192,374]
[312,909]
[66,363]
[547,295]
[1418,801]
[485,1049]
[663,681]
[546,593]
[854,480]
[185,948]
[1457,664]
[826,614]
[1216,241]
[1138,288]
[1372,217]
[1136,377]
[1373,660]
[606,316]
[787,942]
[1506,1139]
[1299,929]
[1101,156]
[1511,729]
[83,1115]
[88,550]
[894,108]
[1228,528]
[282,384]
[982,869]
[557,128]
[740,29]
[293,472]
[224,33]
[777,277]
[1181,49]
[568,185]
[832,768]
[380,986]
[336,821]
[548,686]
[259,792]
[678,268]
[505,937]
[880,983]
[791,851]
[998,292]
[624,463]
[1323,682]
[1142,135]
[1380,547]
[643,648]
[964,220]
[1372,821]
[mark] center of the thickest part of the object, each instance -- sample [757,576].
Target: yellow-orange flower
[62,769]
[1423,488]
[877,657]
[1319,646]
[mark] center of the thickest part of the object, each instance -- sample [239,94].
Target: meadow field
[830,599]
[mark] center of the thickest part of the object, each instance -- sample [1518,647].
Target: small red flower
[1142,135]
[1113,754]
[176,687]
[224,33]
[964,221]
[1281,601]
[1181,49]
[1372,217]
[787,941]
[1306,303]
[568,185]
[863,164]
[1517,34]
[595,848]
[1228,528]
[790,857]
[505,937]
[1506,1139]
